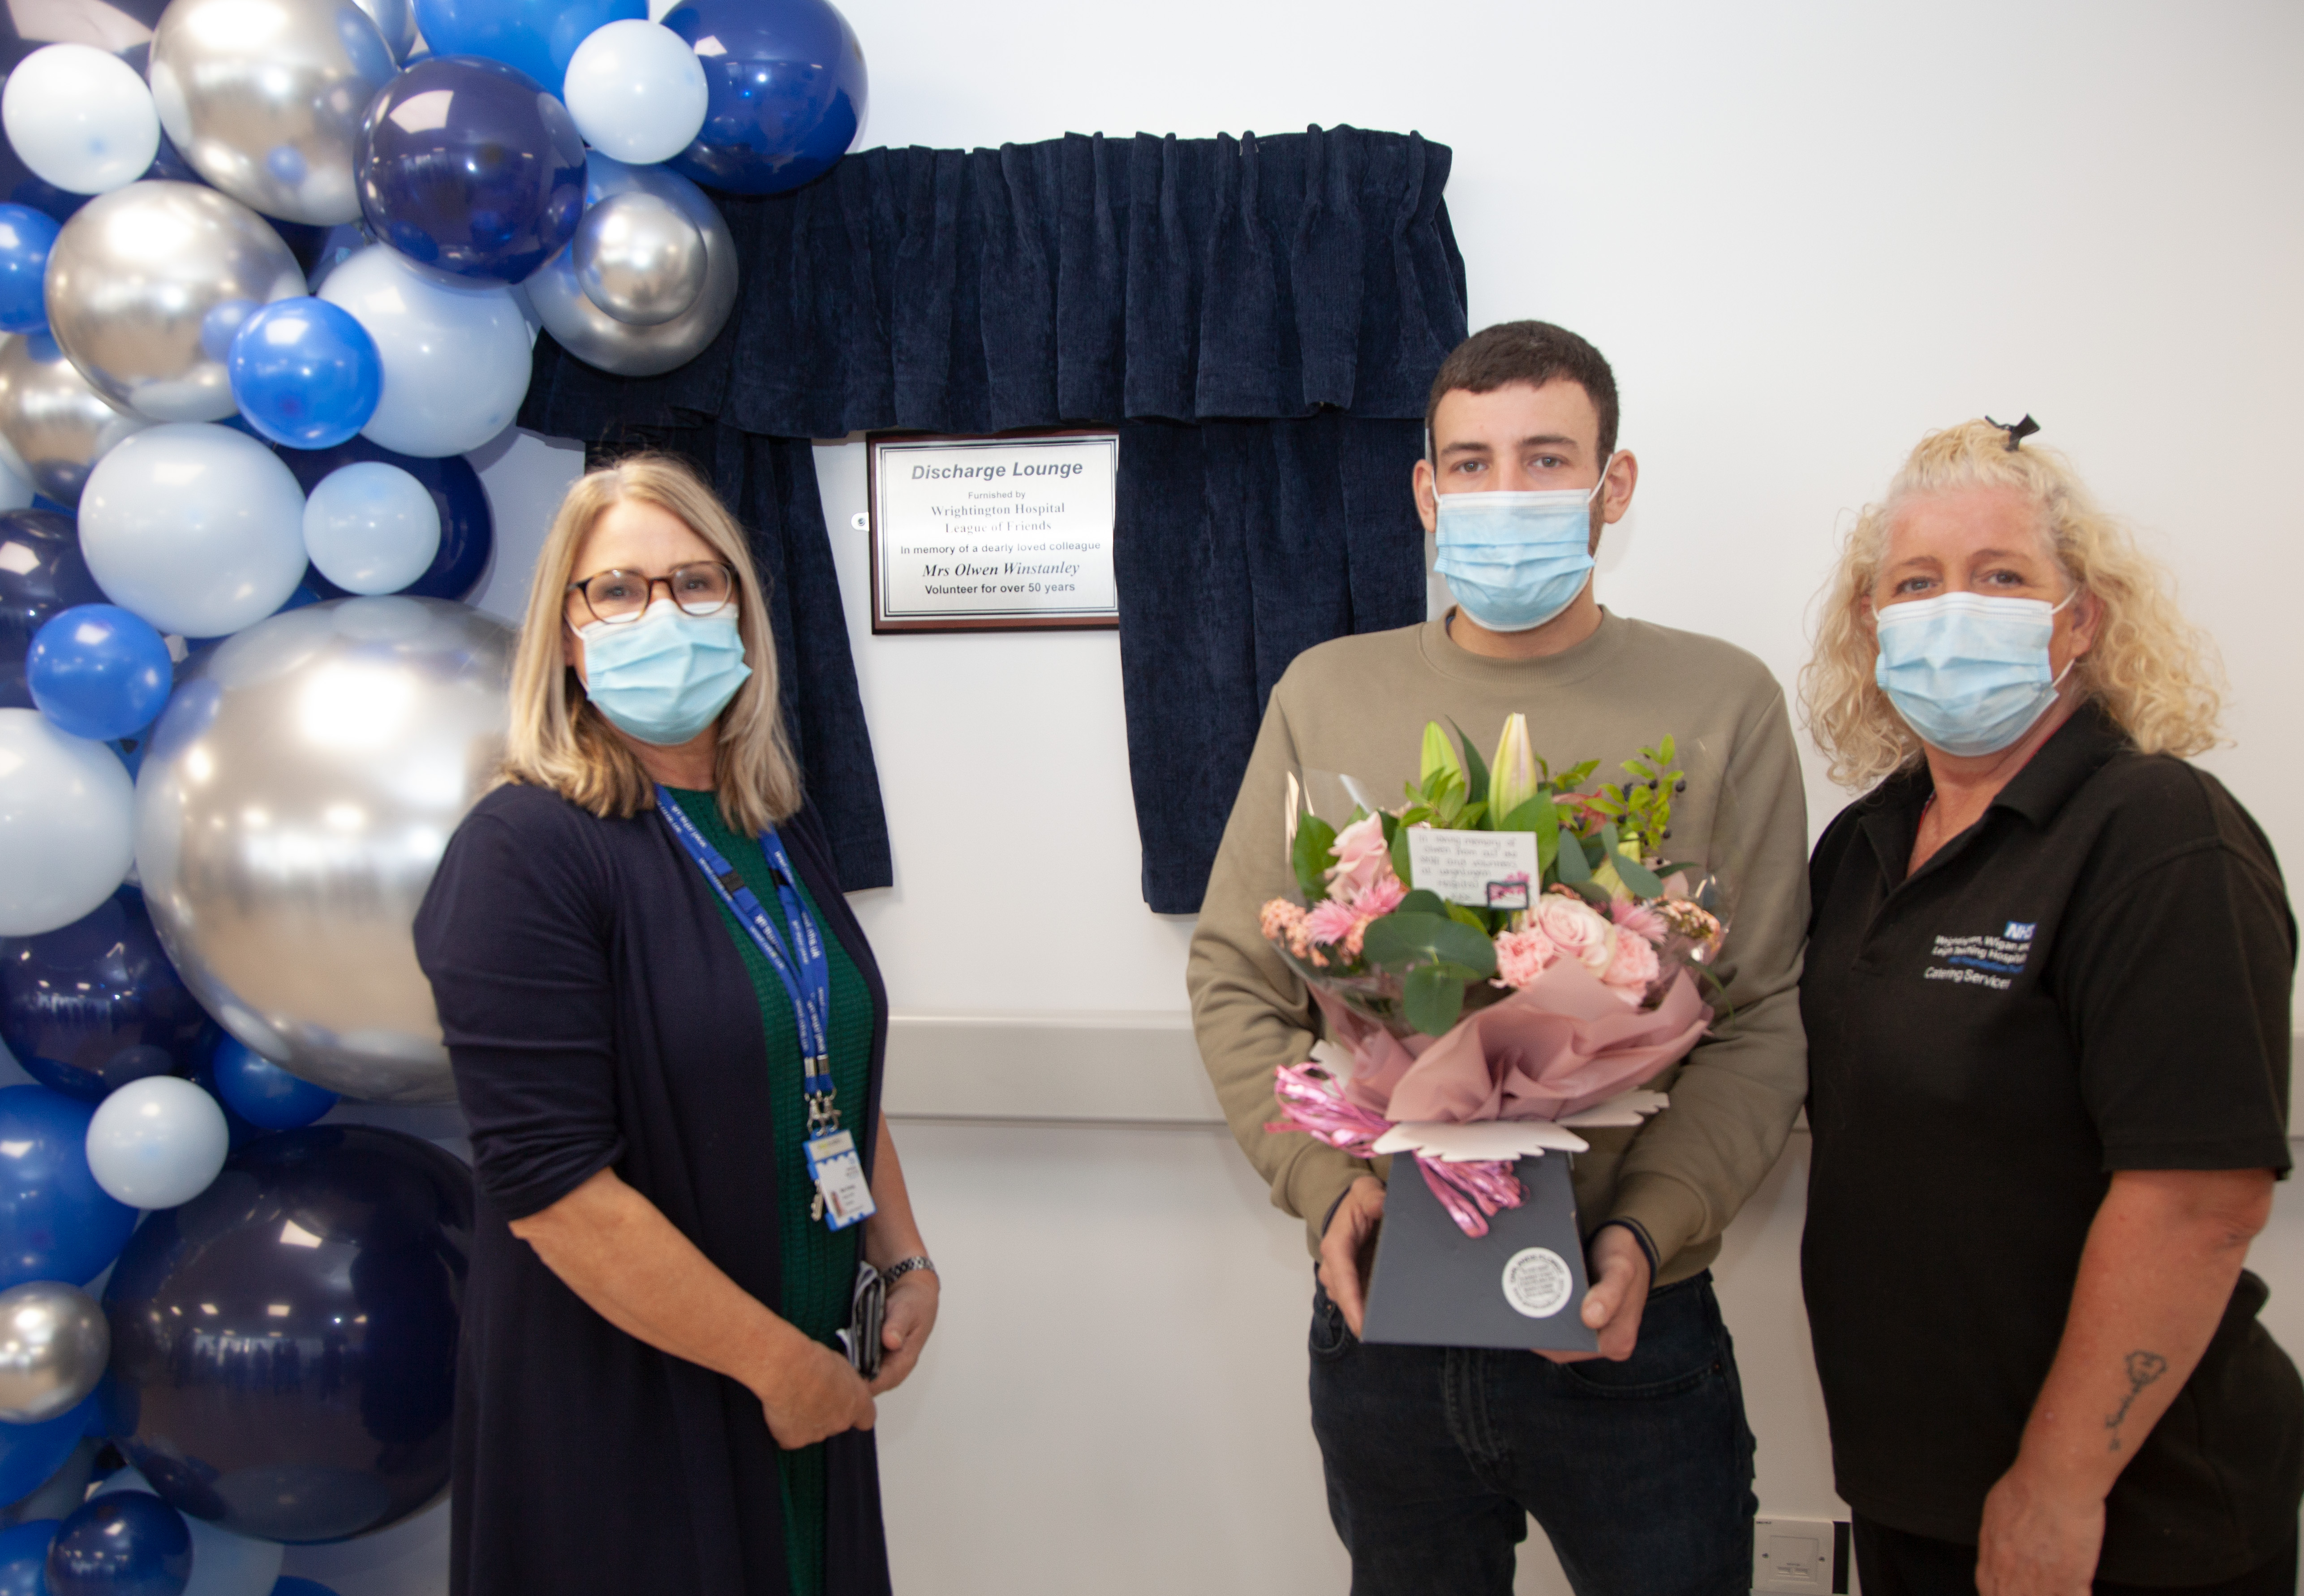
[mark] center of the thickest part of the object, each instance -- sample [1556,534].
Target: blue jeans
[1639,1472]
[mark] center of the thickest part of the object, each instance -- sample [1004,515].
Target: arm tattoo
[2143,1369]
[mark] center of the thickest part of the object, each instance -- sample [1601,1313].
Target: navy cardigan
[599,1016]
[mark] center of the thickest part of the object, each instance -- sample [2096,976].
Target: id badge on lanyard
[843,1196]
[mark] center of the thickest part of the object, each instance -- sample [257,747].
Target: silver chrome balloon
[599,339]
[52,419]
[295,801]
[146,286]
[54,1345]
[638,259]
[265,97]
[396,21]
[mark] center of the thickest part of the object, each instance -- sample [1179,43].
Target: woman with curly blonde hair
[2047,997]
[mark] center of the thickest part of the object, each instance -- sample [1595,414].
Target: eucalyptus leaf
[1399,941]
[1420,901]
[1573,869]
[1400,865]
[1432,1000]
[1638,878]
[1463,915]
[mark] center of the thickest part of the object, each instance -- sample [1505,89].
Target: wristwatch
[905,1266]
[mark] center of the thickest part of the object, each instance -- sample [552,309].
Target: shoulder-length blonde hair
[558,740]
[2154,672]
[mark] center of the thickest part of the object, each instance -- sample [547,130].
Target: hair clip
[2017,431]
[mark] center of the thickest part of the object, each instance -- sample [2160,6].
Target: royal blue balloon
[98,672]
[56,1222]
[31,1454]
[25,237]
[331,1419]
[130,1543]
[24,1556]
[92,1006]
[41,575]
[788,92]
[467,530]
[263,1093]
[539,37]
[304,373]
[238,1131]
[468,167]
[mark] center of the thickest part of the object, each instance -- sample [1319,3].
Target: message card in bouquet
[1522,1285]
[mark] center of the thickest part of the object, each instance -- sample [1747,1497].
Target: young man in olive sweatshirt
[1637,1461]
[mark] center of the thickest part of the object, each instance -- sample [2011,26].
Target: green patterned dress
[819,1264]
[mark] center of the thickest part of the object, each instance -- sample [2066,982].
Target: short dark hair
[1535,352]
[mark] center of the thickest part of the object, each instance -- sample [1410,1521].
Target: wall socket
[1800,1556]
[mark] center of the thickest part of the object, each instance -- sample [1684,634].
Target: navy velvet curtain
[1262,316]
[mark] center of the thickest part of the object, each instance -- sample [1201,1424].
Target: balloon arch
[270,270]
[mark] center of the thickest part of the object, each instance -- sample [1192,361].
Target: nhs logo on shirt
[1991,962]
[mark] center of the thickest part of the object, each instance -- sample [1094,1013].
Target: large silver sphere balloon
[52,419]
[638,259]
[628,350]
[54,1345]
[147,284]
[295,801]
[265,97]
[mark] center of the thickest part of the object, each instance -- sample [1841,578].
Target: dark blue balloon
[92,1006]
[467,165]
[98,672]
[56,1222]
[25,237]
[130,1543]
[238,1133]
[263,1093]
[536,36]
[329,1420]
[24,1556]
[467,530]
[305,373]
[787,92]
[31,1454]
[41,575]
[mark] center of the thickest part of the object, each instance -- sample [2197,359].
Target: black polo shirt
[2094,977]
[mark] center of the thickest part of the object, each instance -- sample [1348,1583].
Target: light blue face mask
[1969,672]
[1515,560]
[664,677]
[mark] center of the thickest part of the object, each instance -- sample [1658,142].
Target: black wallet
[868,1313]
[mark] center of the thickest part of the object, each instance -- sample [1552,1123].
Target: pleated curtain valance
[1304,280]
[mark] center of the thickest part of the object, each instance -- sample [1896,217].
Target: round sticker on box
[1537,1282]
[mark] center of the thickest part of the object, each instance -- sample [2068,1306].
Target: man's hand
[1619,1291]
[1344,1245]
[2039,1539]
[913,1303]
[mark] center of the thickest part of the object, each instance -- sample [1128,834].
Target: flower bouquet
[1503,958]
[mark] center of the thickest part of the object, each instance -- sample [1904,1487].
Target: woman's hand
[2037,1539]
[911,1315]
[812,1394]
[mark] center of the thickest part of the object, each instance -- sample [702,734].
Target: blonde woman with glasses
[2046,995]
[667,1032]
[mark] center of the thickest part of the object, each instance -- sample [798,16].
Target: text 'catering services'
[1057,469]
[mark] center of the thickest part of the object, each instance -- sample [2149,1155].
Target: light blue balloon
[371,528]
[536,35]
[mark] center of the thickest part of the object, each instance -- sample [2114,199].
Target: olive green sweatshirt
[1356,707]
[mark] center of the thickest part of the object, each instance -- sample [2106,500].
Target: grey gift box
[1520,1286]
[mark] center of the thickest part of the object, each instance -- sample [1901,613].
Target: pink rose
[1632,968]
[1576,929]
[1523,955]
[1362,860]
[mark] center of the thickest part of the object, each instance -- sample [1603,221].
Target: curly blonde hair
[559,739]
[2154,672]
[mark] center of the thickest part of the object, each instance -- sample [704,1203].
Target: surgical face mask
[1969,672]
[664,677]
[1515,560]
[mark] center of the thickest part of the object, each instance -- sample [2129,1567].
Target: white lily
[1512,774]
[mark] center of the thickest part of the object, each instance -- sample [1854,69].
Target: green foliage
[1475,772]
[1641,808]
[1432,997]
[1402,940]
[1314,852]
[1419,902]
[1575,870]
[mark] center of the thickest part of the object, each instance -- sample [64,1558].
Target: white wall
[1804,233]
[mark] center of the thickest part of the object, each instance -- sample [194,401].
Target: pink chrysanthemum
[1329,922]
[1523,955]
[1638,919]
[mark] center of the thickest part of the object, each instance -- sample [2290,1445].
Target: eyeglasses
[617,597]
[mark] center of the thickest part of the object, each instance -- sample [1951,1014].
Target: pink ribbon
[1471,1193]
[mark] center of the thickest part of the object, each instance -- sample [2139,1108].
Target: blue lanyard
[805,971]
